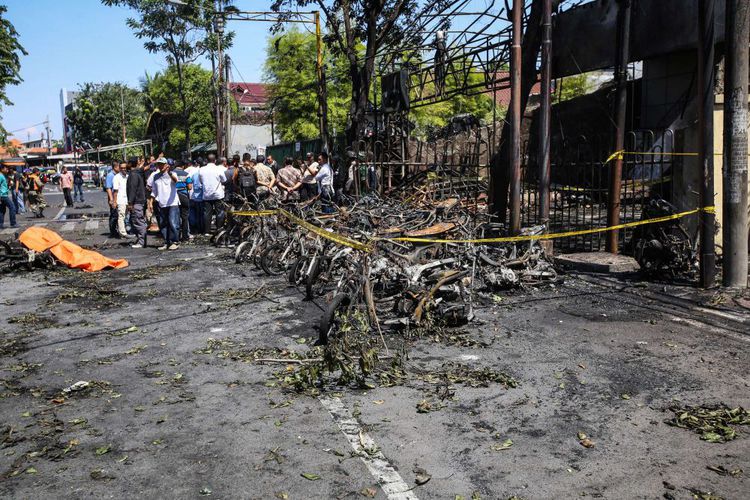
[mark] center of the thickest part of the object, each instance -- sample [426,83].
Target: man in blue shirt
[5,200]
[184,185]
[108,187]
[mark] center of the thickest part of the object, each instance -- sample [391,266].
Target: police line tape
[367,247]
[619,155]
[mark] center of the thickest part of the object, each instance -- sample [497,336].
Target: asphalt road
[176,408]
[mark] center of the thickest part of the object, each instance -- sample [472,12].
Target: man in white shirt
[164,191]
[324,178]
[212,179]
[309,187]
[120,195]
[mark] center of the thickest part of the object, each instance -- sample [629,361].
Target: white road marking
[704,326]
[91,225]
[68,226]
[389,479]
[59,214]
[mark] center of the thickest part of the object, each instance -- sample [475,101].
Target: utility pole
[219,29]
[515,119]
[49,142]
[227,107]
[706,139]
[734,211]
[621,111]
[322,87]
[545,116]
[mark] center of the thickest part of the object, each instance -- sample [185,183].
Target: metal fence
[580,177]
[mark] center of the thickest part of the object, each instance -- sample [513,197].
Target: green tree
[97,117]
[10,61]
[291,74]
[572,86]
[183,34]
[164,96]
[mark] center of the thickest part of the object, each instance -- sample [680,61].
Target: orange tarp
[40,239]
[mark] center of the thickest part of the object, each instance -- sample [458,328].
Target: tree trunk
[500,165]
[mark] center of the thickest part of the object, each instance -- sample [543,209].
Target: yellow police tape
[329,235]
[567,234]
[619,155]
[357,245]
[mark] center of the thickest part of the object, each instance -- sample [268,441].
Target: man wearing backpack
[36,195]
[245,179]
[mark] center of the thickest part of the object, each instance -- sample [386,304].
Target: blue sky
[75,41]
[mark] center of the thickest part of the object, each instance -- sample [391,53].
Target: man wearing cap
[164,191]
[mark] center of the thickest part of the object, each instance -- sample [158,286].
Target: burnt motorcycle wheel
[330,321]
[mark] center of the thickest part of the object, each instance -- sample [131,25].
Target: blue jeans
[78,192]
[170,228]
[196,217]
[5,201]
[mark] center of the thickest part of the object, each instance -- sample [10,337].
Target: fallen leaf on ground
[31,470]
[104,449]
[421,476]
[282,495]
[310,476]
[368,492]
[379,401]
[625,396]
[504,446]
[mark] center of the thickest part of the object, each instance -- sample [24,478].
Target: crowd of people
[20,192]
[186,198]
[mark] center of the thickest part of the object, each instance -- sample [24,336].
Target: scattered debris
[78,386]
[585,441]
[713,423]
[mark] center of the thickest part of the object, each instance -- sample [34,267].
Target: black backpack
[247,182]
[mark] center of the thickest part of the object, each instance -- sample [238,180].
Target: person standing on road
[36,194]
[66,183]
[289,181]
[272,164]
[310,170]
[184,186]
[244,179]
[112,200]
[265,178]
[196,200]
[212,179]
[136,193]
[120,194]
[16,184]
[78,184]
[5,200]
[324,177]
[164,191]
